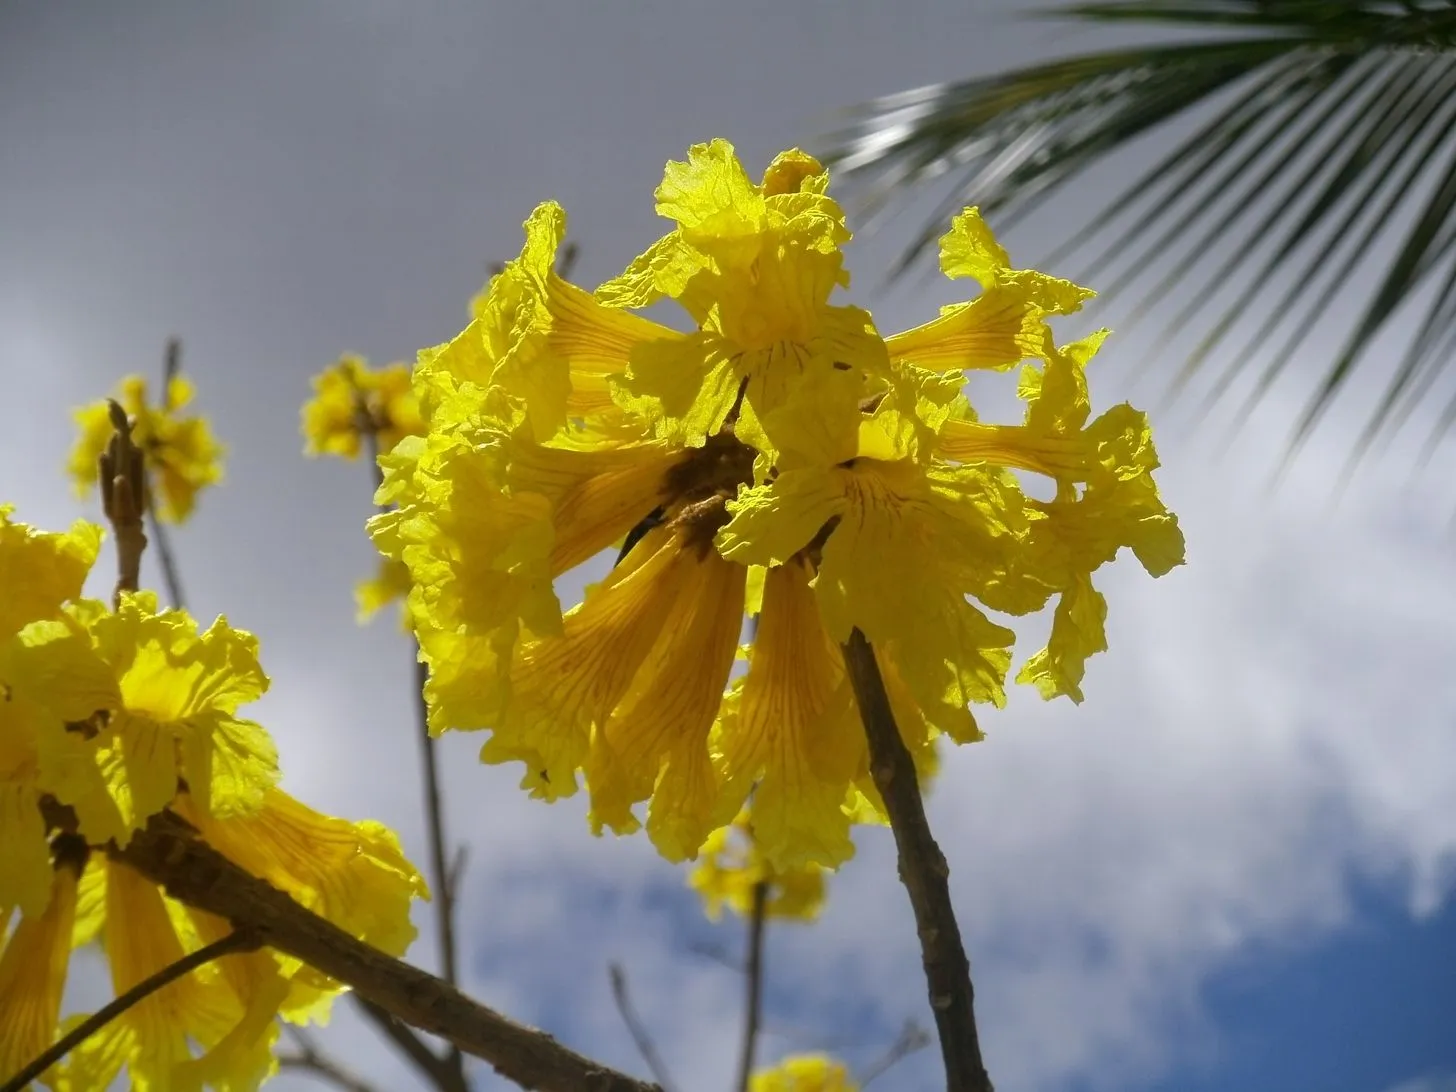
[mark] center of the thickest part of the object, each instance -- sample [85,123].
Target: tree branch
[638,1030]
[168,853]
[753,1002]
[241,939]
[924,873]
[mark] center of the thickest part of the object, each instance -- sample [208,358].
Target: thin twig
[717,954]
[753,998]
[912,1038]
[163,542]
[168,852]
[924,873]
[311,1059]
[241,939]
[171,368]
[443,1072]
[640,1035]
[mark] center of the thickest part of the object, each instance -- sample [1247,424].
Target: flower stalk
[925,874]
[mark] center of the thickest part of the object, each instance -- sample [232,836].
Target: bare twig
[640,1035]
[171,368]
[924,873]
[241,939]
[169,853]
[718,954]
[311,1059]
[753,999]
[912,1038]
[163,542]
[123,499]
[446,1073]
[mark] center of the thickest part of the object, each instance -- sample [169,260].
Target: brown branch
[753,1001]
[242,939]
[924,873]
[168,853]
[310,1059]
[637,1029]
[911,1039]
[446,1074]
[123,499]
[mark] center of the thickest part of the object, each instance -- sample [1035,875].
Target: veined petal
[351,873]
[655,743]
[996,330]
[141,939]
[562,685]
[33,974]
[793,731]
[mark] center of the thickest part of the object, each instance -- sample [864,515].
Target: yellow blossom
[41,570]
[730,866]
[351,400]
[157,702]
[181,455]
[779,457]
[804,1073]
[390,582]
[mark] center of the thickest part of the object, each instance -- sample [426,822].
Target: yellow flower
[41,570]
[730,866]
[351,399]
[780,457]
[33,965]
[216,1025]
[540,351]
[803,1073]
[764,260]
[157,702]
[182,457]
[1002,326]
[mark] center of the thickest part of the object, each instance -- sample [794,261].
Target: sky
[1231,867]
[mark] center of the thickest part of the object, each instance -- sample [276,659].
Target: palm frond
[1328,129]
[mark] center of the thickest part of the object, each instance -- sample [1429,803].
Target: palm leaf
[1325,132]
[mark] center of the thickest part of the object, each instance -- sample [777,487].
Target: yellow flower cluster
[351,401]
[782,459]
[803,1073]
[181,455]
[730,866]
[106,719]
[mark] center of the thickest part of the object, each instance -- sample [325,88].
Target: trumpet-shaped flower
[351,401]
[181,456]
[843,478]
